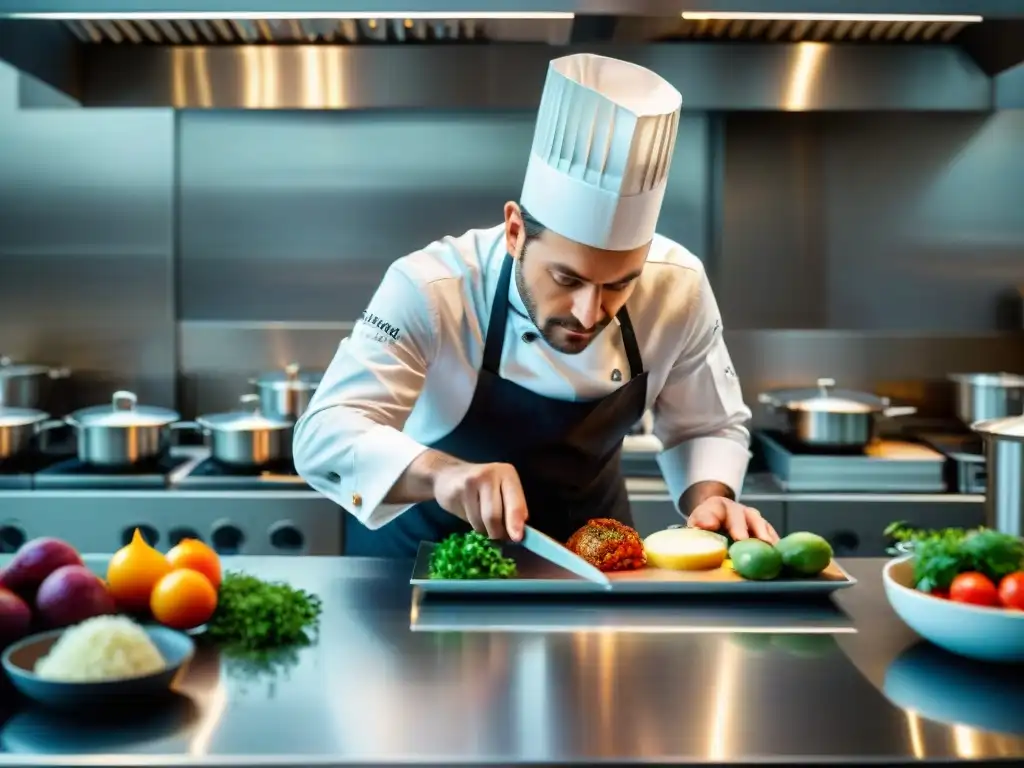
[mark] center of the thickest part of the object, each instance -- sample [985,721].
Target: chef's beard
[550,326]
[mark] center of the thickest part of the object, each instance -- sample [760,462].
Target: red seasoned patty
[609,545]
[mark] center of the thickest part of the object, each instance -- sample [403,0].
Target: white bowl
[974,631]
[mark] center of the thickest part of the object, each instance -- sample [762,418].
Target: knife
[544,546]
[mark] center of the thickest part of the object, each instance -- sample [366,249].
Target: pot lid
[9,368]
[988,379]
[21,417]
[292,377]
[124,411]
[248,418]
[824,398]
[1009,427]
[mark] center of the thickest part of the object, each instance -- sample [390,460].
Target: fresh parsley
[470,556]
[940,556]
[255,616]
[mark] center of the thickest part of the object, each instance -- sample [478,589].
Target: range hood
[939,55]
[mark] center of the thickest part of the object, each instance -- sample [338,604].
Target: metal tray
[797,615]
[539,577]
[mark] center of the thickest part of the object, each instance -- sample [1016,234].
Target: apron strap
[636,363]
[499,315]
[495,343]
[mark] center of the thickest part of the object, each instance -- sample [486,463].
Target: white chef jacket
[406,375]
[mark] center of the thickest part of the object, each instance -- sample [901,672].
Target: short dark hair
[534,228]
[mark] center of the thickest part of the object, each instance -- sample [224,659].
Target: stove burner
[797,448]
[73,473]
[967,468]
[212,475]
[16,473]
[213,468]
[883,467]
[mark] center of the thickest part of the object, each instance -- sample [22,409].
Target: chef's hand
[740,521]
[487,496]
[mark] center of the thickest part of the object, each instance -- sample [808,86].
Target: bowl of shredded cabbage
[102,661]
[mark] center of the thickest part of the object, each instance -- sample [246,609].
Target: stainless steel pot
[825,417]
[1004,464]
[286,394]
[248,438]
[986,396]
[20,428]
[24,385]
[122,433]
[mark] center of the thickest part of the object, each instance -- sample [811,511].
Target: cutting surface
[629,683]
[539,576]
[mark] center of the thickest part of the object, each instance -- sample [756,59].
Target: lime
[755,559]
[804,553]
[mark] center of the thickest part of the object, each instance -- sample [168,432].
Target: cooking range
[830,440]
[228,479]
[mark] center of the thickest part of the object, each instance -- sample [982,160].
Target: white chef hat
[601,151]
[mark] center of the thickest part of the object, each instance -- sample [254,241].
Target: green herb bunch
[255,616]
[470,556]
[940,556]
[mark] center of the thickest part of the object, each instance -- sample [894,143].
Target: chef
[492,377]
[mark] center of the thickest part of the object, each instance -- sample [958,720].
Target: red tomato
[1011,591]
[974,588]
[942,594]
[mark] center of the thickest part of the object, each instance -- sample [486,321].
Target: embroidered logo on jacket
[382,325]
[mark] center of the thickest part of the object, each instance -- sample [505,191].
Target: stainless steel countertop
[594,682]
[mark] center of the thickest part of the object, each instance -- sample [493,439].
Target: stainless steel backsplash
[178,254]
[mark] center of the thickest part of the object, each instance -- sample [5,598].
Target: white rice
[99,649]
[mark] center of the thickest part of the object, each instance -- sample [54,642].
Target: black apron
[567,452]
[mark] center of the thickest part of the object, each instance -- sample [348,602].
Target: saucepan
[122,433]
[25,385]
[825,417]
[20,430]
[247,437]
[286,394]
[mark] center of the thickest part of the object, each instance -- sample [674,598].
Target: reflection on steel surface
[713,76]
[370,691]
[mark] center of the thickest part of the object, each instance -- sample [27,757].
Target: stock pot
[248,438]
[19,428]
[825,417]
[1004,465]
[24,385]
[286,394]
[986,396]
[122,433]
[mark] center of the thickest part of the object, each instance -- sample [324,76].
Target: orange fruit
[183,599]
[196,556]
[133,572]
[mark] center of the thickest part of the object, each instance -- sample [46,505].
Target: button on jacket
[406,375]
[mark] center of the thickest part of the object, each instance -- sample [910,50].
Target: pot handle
[900,410]
[250,402]
[124,400]
[59,373]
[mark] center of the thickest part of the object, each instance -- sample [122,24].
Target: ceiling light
[298,15]
[744,16]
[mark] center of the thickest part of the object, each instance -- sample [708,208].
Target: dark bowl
[19,661]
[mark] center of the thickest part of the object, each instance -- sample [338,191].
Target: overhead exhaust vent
[305,31]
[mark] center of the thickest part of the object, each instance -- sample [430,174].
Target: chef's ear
[515,229]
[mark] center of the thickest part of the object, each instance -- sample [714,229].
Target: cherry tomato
[942,594]
[974,588]
[1011,591]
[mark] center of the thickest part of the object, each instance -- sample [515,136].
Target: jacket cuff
[704,459]
[379,457]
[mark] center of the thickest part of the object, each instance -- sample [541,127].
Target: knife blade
[544,546]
